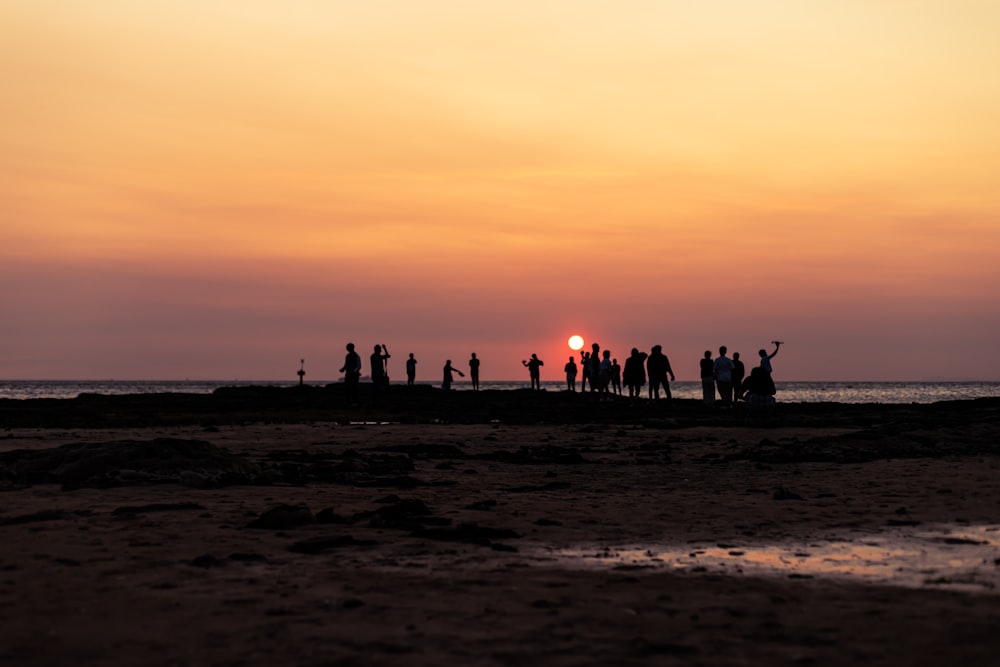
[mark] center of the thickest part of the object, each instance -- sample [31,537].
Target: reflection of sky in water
[953,557]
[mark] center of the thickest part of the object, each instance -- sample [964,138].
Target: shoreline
[427,404]
[788,391]
[158,532]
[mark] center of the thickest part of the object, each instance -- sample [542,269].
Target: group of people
[605,375]
[352,371]
[602,372]
[380,375]
[728,376]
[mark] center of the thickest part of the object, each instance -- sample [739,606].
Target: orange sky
[214,190]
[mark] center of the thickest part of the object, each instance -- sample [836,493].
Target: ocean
[788,392]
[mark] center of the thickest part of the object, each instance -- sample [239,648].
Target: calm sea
[788,392]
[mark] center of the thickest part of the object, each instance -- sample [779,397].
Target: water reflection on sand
[948,556]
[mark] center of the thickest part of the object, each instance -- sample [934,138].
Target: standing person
[605,377]
[448,370]
[585,365]
[765,358]
[570,369]
[739,371]
[595,367]
[708,378]
[378,373]
[658,367]
[616,377]
[411,370]
[634,374]
[534,371]
[474,371]
[724,377]
[352,374]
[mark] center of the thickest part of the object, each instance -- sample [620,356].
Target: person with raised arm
[765,358]
[379,374]
[534,371]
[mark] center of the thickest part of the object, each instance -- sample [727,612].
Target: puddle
[950,557]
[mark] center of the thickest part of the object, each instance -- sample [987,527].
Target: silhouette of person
[759,390]
[605,376]
[534,371]
[448,370]
[765,358]
[595,367]
[616,377]
[474,371]
[724,377]
[634,373]
[708,378]
[739,372]
[570,369]
[352,374]
[378,359]
[658,366]
[585,366]
[411,370]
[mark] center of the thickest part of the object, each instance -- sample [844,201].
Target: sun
[575,342]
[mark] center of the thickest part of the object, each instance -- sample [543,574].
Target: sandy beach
[262,528]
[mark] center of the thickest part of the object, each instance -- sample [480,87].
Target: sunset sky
[214,190]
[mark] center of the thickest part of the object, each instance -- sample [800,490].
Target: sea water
[788,392]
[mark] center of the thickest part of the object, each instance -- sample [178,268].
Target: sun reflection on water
[953,557]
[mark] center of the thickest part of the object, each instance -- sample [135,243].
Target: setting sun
[575,342]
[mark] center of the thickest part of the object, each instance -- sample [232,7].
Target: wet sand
[247,531]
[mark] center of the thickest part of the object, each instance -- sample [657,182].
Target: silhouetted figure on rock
[724,377]
[708,378]
[634,373]
[379,374]
[658,366]
[570,369]
[739,372]
[411,370]
[474,371]
[758,390]
[765,358]
[448,378]
[352,374]
[534,371]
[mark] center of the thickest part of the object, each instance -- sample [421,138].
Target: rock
[283,517]
[316,545]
